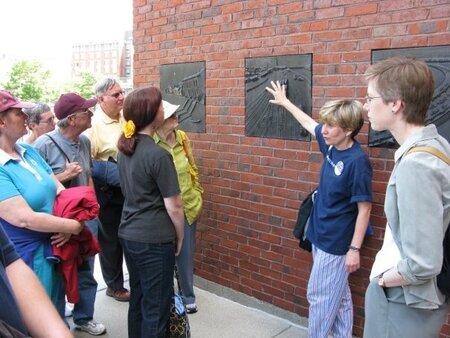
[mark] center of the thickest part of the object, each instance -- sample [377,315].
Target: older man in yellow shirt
[106,129]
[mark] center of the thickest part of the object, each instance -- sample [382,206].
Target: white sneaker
[68,310]
[191,308]
[91,327]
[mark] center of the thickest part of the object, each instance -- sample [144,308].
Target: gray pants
[185,263]
[387,315]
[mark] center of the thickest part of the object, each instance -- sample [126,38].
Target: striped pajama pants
[329,297]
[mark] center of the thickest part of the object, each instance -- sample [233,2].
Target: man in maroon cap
[64,147]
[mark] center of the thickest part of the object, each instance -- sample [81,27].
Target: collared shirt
[104,134]
[191,191]
[29,177]
[79,151]
[417,207]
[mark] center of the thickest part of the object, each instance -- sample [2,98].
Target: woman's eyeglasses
[50,120]
[370,98]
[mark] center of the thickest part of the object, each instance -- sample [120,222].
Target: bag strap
[186,153]
[185,147]
[59,147]
[177,277]
[430,150]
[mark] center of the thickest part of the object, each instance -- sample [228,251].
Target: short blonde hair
[347,114]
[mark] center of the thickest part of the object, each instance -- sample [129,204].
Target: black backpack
[443,279]
[303,221]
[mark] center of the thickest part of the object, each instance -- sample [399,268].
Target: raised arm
[279,98]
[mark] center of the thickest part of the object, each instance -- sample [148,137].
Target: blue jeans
[185,262]
[83,311]
[151,269]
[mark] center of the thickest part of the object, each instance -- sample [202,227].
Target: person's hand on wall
[279,93]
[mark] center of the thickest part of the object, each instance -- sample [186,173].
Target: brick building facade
[253,185]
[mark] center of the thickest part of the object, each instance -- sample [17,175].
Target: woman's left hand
[60,239]
[352,261]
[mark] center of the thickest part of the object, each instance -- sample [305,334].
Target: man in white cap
[176,142]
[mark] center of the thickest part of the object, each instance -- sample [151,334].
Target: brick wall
[253,185]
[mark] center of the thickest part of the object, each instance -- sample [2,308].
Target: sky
[51,27]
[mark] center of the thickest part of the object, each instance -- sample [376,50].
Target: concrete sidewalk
[219,315]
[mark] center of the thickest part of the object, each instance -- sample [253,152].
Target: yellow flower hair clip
[129,128]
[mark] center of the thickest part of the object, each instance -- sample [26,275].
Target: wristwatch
[381,281]
[353,248]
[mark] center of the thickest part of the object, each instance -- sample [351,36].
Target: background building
[105,59]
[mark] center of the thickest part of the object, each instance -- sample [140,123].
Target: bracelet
[353,248]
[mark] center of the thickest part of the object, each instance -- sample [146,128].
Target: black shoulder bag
[302,223]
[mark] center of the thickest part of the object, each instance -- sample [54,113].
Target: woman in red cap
[28,191]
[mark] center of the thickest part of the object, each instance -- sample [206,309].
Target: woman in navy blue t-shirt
[341,211]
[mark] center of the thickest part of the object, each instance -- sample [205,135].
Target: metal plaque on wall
[184,84]
[438,59]
[264,119]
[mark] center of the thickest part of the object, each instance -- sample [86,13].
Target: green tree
[84,86]
[28,81]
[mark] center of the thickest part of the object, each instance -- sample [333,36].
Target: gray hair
[34,114]
[103,86]
[63,123]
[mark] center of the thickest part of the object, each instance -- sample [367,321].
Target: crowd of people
[141,170]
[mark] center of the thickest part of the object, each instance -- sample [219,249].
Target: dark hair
[141,106]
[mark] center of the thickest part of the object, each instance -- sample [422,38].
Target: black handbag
[302,223]
[178,326]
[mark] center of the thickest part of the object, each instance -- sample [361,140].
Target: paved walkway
[218,316]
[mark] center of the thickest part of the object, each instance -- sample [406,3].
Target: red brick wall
[253,185]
